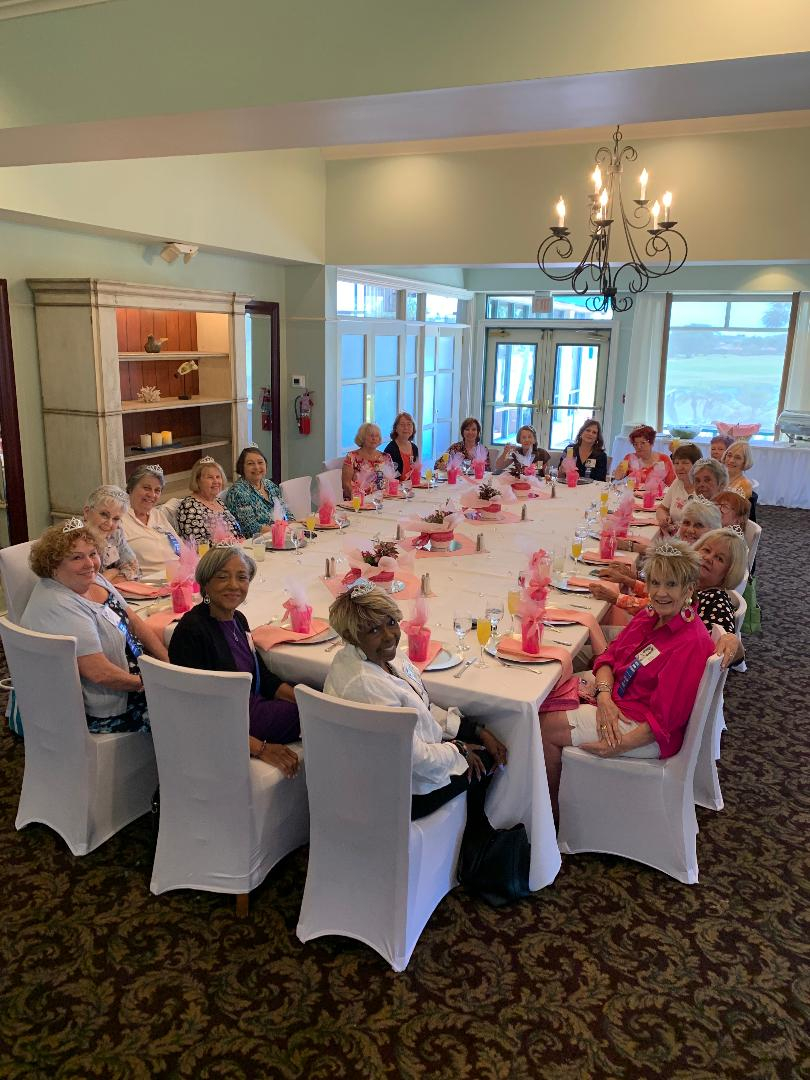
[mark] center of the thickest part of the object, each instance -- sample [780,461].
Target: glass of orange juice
[310,523]
[576,547]
[202,548]
[357,502]
[513,604]
[484,633]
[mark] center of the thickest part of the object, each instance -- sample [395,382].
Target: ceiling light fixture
[172,251]
[594,273]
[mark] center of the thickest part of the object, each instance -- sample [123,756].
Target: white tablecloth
[782,471]
[505,698]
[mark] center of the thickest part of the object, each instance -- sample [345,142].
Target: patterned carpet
[614,971]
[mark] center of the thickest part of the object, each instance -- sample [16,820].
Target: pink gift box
[325,515]
[393,487]
[418,645]
[571,477]
[415,475]
[278,531]
[607,544]
[479,467]
[649,499]
[182,595]
[452,476]
[301,619]
[530,633]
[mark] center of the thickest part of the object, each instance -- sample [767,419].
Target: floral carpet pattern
[613,971]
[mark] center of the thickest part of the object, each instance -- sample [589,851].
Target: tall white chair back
[298,495]
[18,578]
[333,463]
[639,808]
[707,782]
[85,787]
[225,819]
[752,534]
[373,874]
[331,481]
[170,506]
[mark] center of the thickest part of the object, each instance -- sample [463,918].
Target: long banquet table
[506,698]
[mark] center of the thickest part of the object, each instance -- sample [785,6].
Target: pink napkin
[595,557]
[581,582]
[563,697]
[584,618]
[512,647]
[267,637]
[643,521]
[160,620]
[434,648]
[140,590]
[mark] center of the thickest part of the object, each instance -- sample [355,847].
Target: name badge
[111,617]
[590,463]
[647,655]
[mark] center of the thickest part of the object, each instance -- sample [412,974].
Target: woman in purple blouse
[214,636]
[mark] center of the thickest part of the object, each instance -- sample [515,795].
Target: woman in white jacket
[449,751]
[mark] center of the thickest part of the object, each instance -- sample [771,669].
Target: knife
[464,667]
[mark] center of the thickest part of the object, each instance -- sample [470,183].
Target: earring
[687,611]
[206,599]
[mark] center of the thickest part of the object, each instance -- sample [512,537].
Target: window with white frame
[724,361]
[378,378]
[521,306]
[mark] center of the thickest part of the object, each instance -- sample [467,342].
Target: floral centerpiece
[533,599]
[438,528]
[488,498]
[521,475]
[382,556]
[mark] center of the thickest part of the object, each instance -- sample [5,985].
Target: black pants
[422,805]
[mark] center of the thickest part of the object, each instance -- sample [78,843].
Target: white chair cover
[18,578]
[298,496]
[333,463]
[170,506]
[373,874]
[707,784]
[225,819]
[752,534]
[638,808]
[85,787]
[331,481]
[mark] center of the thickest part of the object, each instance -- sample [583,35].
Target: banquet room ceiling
[686,93]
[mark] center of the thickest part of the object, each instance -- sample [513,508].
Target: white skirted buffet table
[782,472]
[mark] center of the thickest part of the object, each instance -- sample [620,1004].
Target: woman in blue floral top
[250,499]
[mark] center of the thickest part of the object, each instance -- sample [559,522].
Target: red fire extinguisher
[303,412]
[267,409]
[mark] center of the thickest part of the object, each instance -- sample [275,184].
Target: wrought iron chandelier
[594,273]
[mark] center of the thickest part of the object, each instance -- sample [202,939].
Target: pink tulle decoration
[530,612]
[417,631]
[365,480]
[300,611]
[389,469]
[278,512]
[221,532]
[737,431]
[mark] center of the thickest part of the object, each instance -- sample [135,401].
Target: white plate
[560,622]
[572,588]
[325,635]
[443,661]
[492,650]
[302,543]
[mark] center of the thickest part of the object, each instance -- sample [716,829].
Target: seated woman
[739,459]
[71,597]
[146,525]
[643,461]
[526,446]
[367,669]
[365,461]
[214,636]
[470,439]
[734,510]
[647,680]
[670,510]
[589,451]
[251,498]
[709,477]
[697,517]
[201,517]
[103,513]
[719,445]
[402,450]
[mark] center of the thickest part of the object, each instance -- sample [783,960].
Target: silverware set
[463,668]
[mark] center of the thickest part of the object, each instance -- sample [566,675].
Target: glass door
[440,391]
[551,379]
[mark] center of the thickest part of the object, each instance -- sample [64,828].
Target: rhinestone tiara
[207,460]
[668,550]
[736,529]
[72,524]
[156,469]
[361,587]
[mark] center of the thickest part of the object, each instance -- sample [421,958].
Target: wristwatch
[462,749]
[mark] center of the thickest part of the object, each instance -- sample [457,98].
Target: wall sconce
[172,251]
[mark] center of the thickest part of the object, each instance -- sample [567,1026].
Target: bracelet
[261,750]
[462,749]
[604,688]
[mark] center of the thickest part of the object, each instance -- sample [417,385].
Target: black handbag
[494,863]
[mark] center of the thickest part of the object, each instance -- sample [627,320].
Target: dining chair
[753,532]
[298,496]
[225,818]
[639,808]
[85,787]
[373,874]
[18,578]
[333,463]
[331,481]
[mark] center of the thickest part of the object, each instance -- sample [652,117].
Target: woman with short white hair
[363,467]
[147,526]
[739,459]
[201,517]
[103,513]
[709,477]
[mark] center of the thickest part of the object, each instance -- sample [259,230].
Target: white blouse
[675,499]
[355,679]
[150,542]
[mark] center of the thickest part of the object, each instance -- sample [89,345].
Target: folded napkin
[433,650]
[508,646]
[643,521]
[581,582]
[595,557]
[584,618]
[139,590]
[563,697]
[267,637]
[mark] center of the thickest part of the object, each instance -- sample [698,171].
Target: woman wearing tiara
[201,517]
[647,680]
[251,498]
[147,527]
[71,597]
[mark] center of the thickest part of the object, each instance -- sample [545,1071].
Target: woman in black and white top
[201,517]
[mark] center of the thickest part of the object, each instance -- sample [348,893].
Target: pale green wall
[147,57]
[263,203]
[28,251]
[738,197]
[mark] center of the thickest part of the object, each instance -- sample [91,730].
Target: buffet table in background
[782,471]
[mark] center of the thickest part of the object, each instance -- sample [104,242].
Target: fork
[334,645]
[533,670]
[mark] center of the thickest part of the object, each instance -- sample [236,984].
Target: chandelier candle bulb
[560,208]
[656,210]
[643,182]
[666,199]
[596,176]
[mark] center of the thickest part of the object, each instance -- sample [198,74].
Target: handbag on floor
[752,623]
[12,708]
[494,863]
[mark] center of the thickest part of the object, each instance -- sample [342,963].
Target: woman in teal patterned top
[250,499]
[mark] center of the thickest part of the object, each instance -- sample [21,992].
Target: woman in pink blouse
[648,678]
[362,467]
[644,461]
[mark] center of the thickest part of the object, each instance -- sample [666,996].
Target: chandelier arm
[659,244]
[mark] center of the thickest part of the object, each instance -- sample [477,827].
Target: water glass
[462,624]
[494,613]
